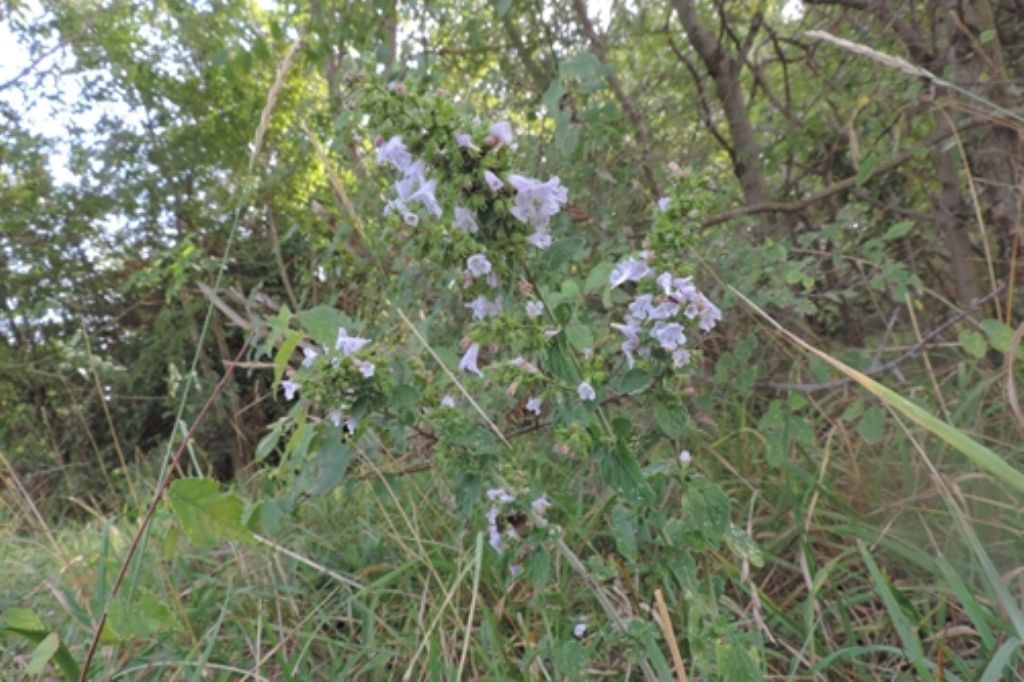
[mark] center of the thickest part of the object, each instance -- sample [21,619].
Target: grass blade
[911,642]
[957,439]
[998,663]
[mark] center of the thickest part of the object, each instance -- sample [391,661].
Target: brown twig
[665,623]
[147,519]
[835,188]
[892,364]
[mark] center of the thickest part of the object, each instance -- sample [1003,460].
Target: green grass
[868,573]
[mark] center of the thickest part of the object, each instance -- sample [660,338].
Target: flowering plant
[546,359]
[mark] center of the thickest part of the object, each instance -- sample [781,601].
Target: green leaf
[141,617]
[734,663]
[586,67]
[328,469]
[872,425]
[322,324]
[743,546]
[1000,335]
[579,336]
[634,381]
[898,230]
[268,444]
[284,353]
[624,531]
[987,36]
[553,96]
[672,419]
[708,509]
[559,363]
[404,395]
[265,518]
[206,514]
[867,168]
[28,625]
[974,343]
[560,253]
[620,472]
[22,620]
[598,277]
[42,654]
[538,567]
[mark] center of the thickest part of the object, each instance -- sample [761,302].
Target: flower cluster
[413,187]
[343,357]
[534,203]
[655,317]
[499,531]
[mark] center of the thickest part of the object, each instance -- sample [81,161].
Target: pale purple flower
[663,204]
[464,139]
[309,356]
[679,288]
[366,368]
[664,280]
[493,281]
[425,196]
[465,221]
[494,535]
[534,309]
[640,307]
[349,344]
[551,333]
[680,358]
[502,132]
[685,457]
[343,422]
[629,270]
[500,495]
[536,202]
[469,360]
[394,152]
[493,181]
[477,265]
[483,308]
[627,347]
[415,188]
[710,315]
[533,405]
[579,630]
[410,218]
[631,330]
[586,392]
[541,239]
[448,401]
[290,387]
[669,335]
[515,570]
[663,310]
[540,505]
